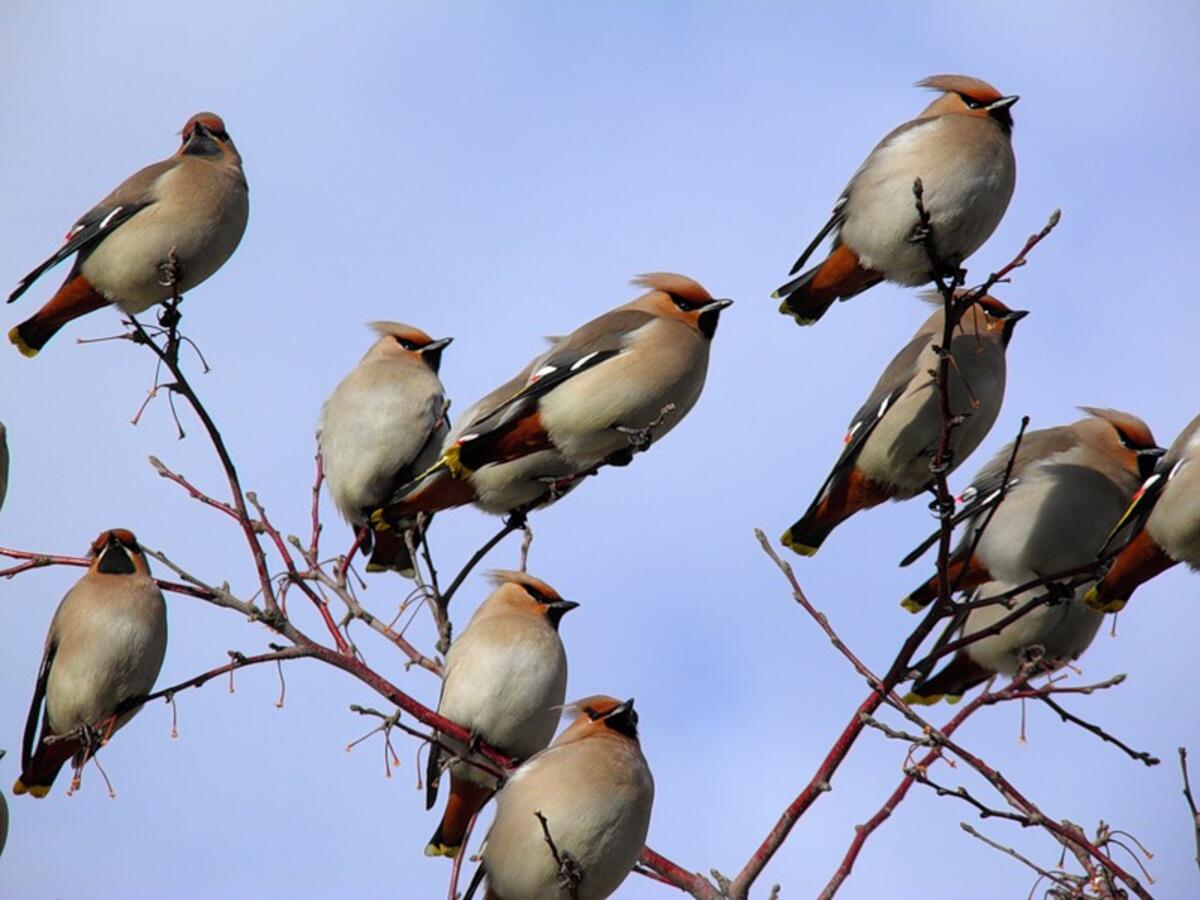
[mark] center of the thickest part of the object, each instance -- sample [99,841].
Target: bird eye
[1125,440]
[407,344]
[971,102]
[683,303]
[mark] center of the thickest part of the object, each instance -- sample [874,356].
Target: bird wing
[130,197]
[598,341]
[28,744]
[988,488]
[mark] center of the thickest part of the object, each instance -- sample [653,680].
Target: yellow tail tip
[913,606]
[37,791]
[795,546]
[914,699]
[775,295]
[788,311]
[441,850]
[14,336]
[951,699]
[452,459]
[379,522]
[1096,601]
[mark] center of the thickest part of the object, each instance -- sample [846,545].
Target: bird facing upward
[960,146]
[190,208]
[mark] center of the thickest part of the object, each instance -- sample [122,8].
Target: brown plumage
[893,437]
[1067,489]
[105,647]
[960,146]
[505,680]
[1164,518]
[194,204]
[575,407]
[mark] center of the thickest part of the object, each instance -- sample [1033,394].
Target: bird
[161,232]
[384,424]
[1044,639]
[505,681]
[1067,488]
[610,388]
[1165,520]
[894,436]
[105,648]
[960,146]
[594,790]
[3,464]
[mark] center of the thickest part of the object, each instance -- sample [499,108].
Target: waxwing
[1165,518]
[383,425]
[505,681]
[894,436]
[614,386]
[104,649]
[960,146]
[1046,638]
[595,791]
[1068,488]
[194,203]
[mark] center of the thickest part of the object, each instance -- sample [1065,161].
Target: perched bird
[1045,638]
[506,677]
[612,387]
[594,790]
[105,647]
[383,425]
[894,436]
[1165,515]
[1068,488]
[190,209]
[960,146]
[3,464]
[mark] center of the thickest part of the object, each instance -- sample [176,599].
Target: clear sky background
[497,172]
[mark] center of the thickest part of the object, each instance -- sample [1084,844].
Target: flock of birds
[1066,497]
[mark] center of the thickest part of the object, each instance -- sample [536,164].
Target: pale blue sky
[497,172]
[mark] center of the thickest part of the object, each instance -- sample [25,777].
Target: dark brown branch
[569,873]
[1191,802]
[1140,755]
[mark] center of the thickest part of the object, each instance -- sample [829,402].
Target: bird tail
[1139,561]
[960,675]
[807,296]
[389,552]
[38,774]
[437,491]
[963,575]
[466,799]
[843,498]
[74,299]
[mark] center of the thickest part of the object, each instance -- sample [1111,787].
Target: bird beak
[1004,102]
[716,305]
[434,346]
[564,605]
[1016,315]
